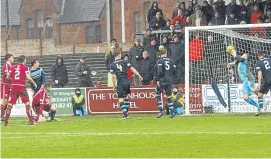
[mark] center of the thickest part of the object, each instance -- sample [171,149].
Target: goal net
[206,60]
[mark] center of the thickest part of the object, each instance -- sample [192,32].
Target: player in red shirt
[42,102]
[6,83]
[19,73]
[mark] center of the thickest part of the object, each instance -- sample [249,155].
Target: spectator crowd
[143,57]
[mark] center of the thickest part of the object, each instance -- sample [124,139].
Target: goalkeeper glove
[233,53]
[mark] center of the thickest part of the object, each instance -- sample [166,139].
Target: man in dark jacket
[244,17]
[221,8]
[110,58]
[152,12]
[135,56]
[207,11]
[146,70]
[158,22]
[59,73]
[153,50]
[233,8]
[177,55]
[147,39]
[232,19]
[217,20]
[83,72]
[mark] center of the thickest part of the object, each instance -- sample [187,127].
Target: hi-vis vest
[78,100]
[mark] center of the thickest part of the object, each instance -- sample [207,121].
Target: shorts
[16,93]
[166,87]
[265,87]
[123,89]
[247,88]
[36,108]
[5,91]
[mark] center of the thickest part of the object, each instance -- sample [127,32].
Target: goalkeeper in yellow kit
[245,75]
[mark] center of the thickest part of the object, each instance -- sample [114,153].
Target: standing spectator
[172,33]
[190,9]
[78,102]
[167,27]
[232,19]
[185,11]
[129,72]
[158,22]
[180,17]
[135,56]
[217,20]
[108,61]
[147,39]
[250,6]
[166,44]
[207,11]
[177,55]
[221,8]
[83,72]
[175,12]
[199,20]
[37,74]
[146,70]
[267,18]
[153,50]
[244,17]
[260,4]
[242,5]
[153,12]
[255,14]
[59,73]
[267,6]
[233,8]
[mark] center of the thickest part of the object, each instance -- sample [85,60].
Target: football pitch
[208,136]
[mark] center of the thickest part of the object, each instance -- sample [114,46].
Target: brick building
[75,21]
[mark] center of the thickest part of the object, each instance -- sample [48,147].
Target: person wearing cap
[148,37]
[153,50]
[232,19]
[108,61]
[83,72]
[135,56]
[78,102]
[59,73]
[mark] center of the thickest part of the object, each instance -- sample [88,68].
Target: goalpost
[206,59]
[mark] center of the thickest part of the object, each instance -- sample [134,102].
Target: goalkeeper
[245,75]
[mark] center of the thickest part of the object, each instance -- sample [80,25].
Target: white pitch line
[131,133]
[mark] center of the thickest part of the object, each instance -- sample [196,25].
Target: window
[147,6]
[30,29]
[49,28]
[40,22]
[17,32]
[137,22]
[98,33]
[89,32]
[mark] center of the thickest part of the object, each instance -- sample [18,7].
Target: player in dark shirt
[119,71]
[37,74]
[164,71]
[263,66]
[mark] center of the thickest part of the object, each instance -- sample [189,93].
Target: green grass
[219,136]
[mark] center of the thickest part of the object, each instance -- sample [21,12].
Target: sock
[29,112]
[159,103]
[82,110]
[170,105]
[8,111]
[74,110]
[252,102]
[53,113]
[3,110]
[123,109]
[260,101]
[127,104]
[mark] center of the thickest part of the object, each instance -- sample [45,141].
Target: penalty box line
[3,134]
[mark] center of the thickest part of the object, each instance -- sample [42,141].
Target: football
[230,48]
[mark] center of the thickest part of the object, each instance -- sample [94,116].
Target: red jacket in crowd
[130,74]
[182,20]
[254,16]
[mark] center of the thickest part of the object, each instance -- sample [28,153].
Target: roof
[14,8]
[82,11]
